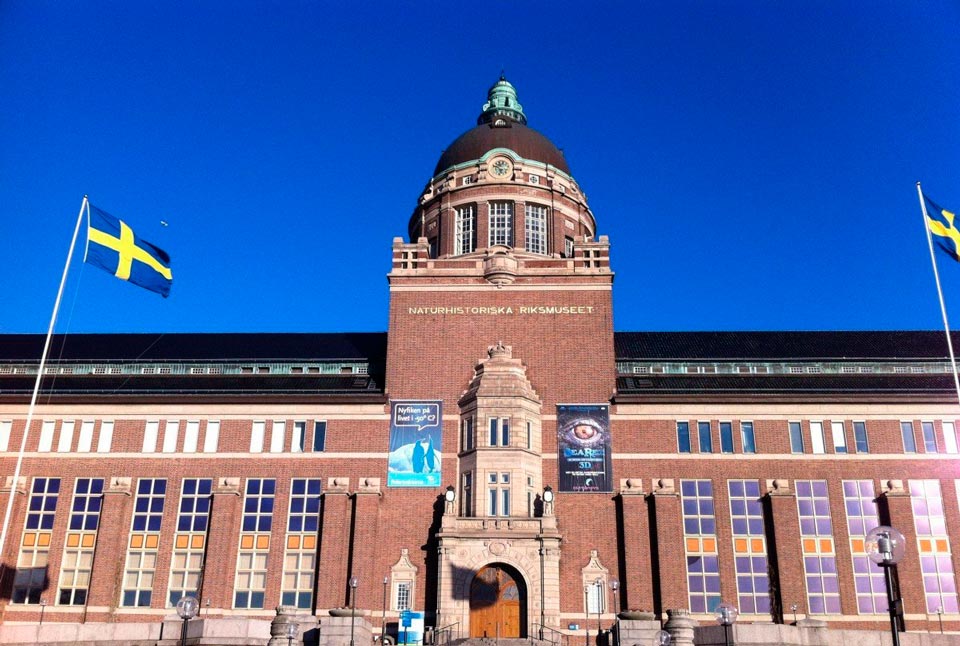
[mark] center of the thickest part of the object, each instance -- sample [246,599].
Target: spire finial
[502,105]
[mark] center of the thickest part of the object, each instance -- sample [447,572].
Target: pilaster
[669,561]
[634,530]
[332,586]
[784,550]
[364,558]
[220,560]
[896,510]
[108,559]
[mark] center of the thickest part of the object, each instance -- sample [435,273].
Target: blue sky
[753,163]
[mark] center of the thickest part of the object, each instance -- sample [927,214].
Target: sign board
[583,442]
[411,628]
[415,451]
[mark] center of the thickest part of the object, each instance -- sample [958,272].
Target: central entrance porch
[498,603]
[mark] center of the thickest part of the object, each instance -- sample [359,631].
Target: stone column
[109,555]
[680,626]
[784,553]
[896,511]
[668,558]
[332,589]
[220,557]
[636,592]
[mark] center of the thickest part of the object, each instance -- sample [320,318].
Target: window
[467,433]
[30,578]
[936,562]
[467,180]
[534,179]
[909,441]
[839,437]
[929,437]
[299,559]
[747,438]
[499,431]
[150,436]
[402,596]
[700,545]
[319,436]
[66,436]
[250,583]
[796,438]
[535,234]
[80,542]
[749,547]
[860,437]
[297,437]
[726,437]
[5,428]
[212,437]
[595,597]
[170,434]
[193,516]
[683,437]
[949,438]
[567,247]
[277,436]
[256,436]
[465,236]
[706,441]
[529,435]
[106,435]
[466,503]
[191,437]
[141,563]
[501,223]
[816,437]
[819,554]
[861,508]
[498,494]
[46,436]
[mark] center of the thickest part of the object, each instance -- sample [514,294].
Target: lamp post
[187,608]
[615,586]
[662,638]
[726,616]
[354,582]
[292,630]
[599,584]
[885,546]
[794,607]
[43,606]
[940,617]
[586,615]
[383,616]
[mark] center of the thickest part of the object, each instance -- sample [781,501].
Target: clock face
[501,167]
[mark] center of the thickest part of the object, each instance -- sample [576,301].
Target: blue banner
[415,433]
[583,443]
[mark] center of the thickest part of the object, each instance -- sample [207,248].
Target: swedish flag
[941,224]
[112,246]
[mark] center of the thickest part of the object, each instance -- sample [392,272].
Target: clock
[501,168]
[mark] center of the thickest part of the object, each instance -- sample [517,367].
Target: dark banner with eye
[583,442]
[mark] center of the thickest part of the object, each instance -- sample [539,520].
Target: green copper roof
[502,102]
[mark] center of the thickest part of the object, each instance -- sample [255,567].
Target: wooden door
[494,604]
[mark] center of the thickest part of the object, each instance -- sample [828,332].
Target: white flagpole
[936,276]
[36,388]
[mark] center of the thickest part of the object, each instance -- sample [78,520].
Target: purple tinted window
[746,512]
[934,545]
[703,568]
[820,565]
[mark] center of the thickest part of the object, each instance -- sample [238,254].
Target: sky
[753,163]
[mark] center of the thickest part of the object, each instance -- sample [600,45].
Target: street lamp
[794,607]
[354,582]
[292,630]
[885,547]
[662,638]
[615,586]
[383,618]
[43,606]
[187,608]
[599,584]
[726,616]
[939,617]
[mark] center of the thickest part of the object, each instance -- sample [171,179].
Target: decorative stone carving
[499,265]
[227,486]
[664,486]
[779,487]
[369,486]
[119,484]
[338,485]
[631,487]
[892,487]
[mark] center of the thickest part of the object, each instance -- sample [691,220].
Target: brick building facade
[568,472]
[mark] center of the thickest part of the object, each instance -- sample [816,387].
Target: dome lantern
[502,104]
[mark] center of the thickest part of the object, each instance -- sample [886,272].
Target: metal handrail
[447,631]
[556,637]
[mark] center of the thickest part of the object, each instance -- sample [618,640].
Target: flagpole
[936,276]
[36,389]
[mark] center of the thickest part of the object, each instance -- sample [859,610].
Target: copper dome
[526,142]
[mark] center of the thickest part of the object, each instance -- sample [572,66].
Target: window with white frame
[141,562]
[80,542]
[465,230]
[85,440]
[250,583]
[501,224]
[568,247]
[5,428]
[299,559]
[170,436]
[949,438]
[466,503]
[46,436]
[535,229]
[467,433]
[30,578]
[212,437]
[257,431]
[499,431]
[839,437]
[191,436]
[929,437]
[319,436]
[402,595]
[65,440]
[193,516]
[816,437]
[277,437]
[498,494]
[595,597]
[297,437]
[150,433]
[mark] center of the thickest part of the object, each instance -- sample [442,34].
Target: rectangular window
[191,437]
[529,435]
[493,431]
[817,444]
[501,224]
[212,437]
[85,440]
[46,436]
[5,427]
[535,234]
[936,562]
[749,547]
[706,441]
[65,442]
[567,247]
[297,436]
[929,437]
[257,432]
[700,545]
[839,437]
[683,437]
[170,436]
[595,598]
[949,438]
[860,437]
[465,238]
[747,438]
[80,542]
[250,583]
[467,503]
[492,506]
[319,436]
[150,433]
[30,578]
[467,433]
[909,440]
[819,554]
[189,542]
[403,596]
[796,438]
[504,502]
[504,432]
[277,437]
[299,558]
[861,509]
[141,562]
[726,437]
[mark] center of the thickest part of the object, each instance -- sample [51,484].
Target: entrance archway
[498,603]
